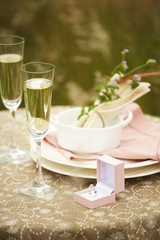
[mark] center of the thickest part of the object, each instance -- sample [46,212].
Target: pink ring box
[110,180]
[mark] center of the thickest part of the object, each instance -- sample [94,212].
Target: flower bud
[125,51]
[151,61]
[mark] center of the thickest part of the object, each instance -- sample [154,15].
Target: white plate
[50,153]
[91,173]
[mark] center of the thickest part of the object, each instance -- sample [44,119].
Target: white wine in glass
[38,84]
[38,96]
[11,58]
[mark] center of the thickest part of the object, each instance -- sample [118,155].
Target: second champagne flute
[11,58]
[38,82]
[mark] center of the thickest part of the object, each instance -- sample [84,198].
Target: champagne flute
[38,82]
[11,58]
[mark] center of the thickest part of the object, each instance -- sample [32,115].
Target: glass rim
[37,72]
[13,37]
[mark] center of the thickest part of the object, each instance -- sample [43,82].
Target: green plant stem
[103,124]
[135,69]
[114,70]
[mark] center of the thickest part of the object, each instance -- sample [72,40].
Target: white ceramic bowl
[88,140]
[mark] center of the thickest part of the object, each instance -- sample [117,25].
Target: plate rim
[152,170]
[86,163]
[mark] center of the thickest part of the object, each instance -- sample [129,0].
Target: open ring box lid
[110,180]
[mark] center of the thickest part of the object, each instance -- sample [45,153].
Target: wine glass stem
[38,178]
[13,125]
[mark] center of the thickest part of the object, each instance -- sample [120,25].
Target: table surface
[134,215]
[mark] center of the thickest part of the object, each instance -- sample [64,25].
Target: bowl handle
[127,117]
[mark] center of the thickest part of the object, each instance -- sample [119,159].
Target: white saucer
[91,173]
[55,161]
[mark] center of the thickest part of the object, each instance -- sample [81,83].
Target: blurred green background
[84,40]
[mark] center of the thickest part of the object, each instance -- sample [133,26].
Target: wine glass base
[42,191]
[15,156]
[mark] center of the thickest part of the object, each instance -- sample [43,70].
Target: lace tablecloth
[134,215]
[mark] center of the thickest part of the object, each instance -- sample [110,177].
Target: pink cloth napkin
[140,140]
